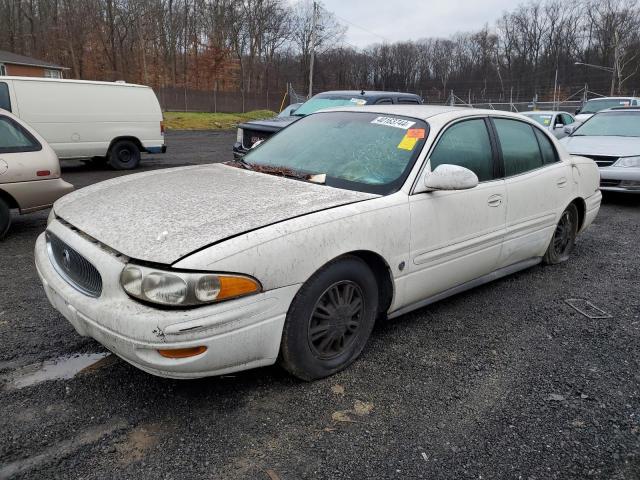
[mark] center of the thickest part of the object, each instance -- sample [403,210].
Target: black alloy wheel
[564,237]
[335,320]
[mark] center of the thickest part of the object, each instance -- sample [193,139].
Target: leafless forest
[256,47]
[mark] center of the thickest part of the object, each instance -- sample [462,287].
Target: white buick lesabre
[291,254]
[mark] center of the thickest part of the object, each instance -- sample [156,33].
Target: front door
[456,236]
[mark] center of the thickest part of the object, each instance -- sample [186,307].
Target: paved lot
[505,381]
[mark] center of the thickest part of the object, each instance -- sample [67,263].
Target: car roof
[424,112]
[629,97]
[367,93]
[543,112]
[621,109]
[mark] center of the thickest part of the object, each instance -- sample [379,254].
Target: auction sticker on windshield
[393,122]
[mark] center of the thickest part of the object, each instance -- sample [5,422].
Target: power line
[358,26]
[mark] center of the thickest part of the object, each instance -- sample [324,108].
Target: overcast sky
[411,20]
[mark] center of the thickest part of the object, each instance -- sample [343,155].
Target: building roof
[14,58]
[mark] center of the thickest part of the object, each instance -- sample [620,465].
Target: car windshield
[360,151]
[615,124]
[542,118]
[593,106]
[318,103]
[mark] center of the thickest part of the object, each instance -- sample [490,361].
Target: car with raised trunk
[250,133]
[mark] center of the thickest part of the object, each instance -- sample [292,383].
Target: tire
[124,155]
[5,218]
[330,319]
[564,237]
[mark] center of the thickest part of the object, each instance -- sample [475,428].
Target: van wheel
[124,155]
[330,319]
[5,218]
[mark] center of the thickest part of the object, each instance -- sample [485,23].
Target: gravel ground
[504,381]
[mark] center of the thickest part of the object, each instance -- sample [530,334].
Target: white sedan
[292,253]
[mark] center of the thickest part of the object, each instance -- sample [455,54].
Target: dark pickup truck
[251,132]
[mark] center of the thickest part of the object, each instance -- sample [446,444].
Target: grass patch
[211,121]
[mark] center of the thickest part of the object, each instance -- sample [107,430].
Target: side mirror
[450,177]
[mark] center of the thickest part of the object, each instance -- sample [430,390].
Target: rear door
[537,189]
[456,236]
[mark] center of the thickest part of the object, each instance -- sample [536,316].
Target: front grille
[73,267]
[602,160]
[252,136]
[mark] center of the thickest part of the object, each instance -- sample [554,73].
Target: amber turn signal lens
[183,352]
[231,287]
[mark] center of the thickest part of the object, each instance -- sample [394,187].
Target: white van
[106,121]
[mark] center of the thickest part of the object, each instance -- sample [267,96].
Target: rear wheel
[5,218]
[564,237]
[124,155]
[330,319]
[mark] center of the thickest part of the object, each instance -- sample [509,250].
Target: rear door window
[15,139]
[466,144]
[5,100]
[520,150]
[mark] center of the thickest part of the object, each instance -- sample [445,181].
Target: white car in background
[553,121]
[598,104]
[612,139]
[292,252]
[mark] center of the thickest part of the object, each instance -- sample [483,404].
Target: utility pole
[615,63]
[314,25]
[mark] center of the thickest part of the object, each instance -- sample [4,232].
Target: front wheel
[564,237]
[5,218]
[330,319]
[124,155]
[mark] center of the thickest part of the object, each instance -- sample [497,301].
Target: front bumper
[620,179]
[161,149]
[239,334]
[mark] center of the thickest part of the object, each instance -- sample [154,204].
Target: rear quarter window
[15,139]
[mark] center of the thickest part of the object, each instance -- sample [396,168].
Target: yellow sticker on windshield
[408,143]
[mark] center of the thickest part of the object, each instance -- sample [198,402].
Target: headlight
[628,162]
[184,288]
[51,217]
[239,135]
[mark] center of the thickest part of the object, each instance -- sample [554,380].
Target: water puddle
[60,368]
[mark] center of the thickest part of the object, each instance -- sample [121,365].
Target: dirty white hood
[163,215]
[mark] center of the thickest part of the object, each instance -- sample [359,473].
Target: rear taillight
[162,128]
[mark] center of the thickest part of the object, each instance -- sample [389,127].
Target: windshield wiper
[280,171]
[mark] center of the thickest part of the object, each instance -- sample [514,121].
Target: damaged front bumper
[238,334]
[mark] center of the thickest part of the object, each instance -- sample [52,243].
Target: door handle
[494,200]
[562,182]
